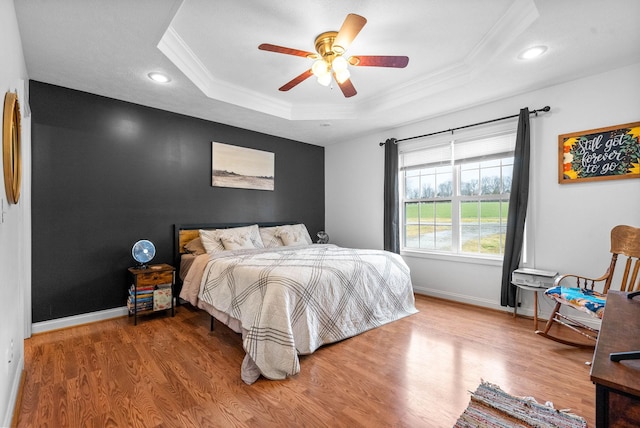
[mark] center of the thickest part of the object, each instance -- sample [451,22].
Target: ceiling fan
[330,63]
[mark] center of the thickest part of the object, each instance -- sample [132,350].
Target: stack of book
[140,299]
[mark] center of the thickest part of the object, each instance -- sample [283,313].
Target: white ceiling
[462,53]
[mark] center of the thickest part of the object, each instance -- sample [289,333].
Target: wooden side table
[535,301]
[151,289]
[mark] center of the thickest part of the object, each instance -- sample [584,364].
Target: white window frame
[482,132]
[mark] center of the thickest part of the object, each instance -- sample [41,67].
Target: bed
[286,295]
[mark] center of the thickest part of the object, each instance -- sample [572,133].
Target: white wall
[14,230]
[571,222]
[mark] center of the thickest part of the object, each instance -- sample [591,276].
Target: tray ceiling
[462,53]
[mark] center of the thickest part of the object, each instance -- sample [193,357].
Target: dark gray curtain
[391,231]
[517,210]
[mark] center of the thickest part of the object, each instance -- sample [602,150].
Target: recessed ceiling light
[533,52]
[159,77]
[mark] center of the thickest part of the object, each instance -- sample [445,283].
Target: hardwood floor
[174,372]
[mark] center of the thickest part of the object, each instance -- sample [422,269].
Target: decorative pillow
[195,247]
[293,235]
[212,239]
[269,236]
[236,241]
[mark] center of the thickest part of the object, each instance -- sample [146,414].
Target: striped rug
[490,407]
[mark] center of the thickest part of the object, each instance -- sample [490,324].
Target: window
[455,196]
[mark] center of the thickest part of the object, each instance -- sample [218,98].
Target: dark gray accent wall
[107,173]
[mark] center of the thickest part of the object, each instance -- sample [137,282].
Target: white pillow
[269,237]
[293,235]
[236,241]
[212,239]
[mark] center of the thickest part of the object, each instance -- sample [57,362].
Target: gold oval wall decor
[11,157]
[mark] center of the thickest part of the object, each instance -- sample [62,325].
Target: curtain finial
[389,140]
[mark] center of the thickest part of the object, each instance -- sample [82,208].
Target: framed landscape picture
[241,167]
[600,154]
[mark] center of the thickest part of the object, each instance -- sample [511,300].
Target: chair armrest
[581,281]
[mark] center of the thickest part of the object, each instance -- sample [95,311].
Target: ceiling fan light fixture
[325,79]
[342,75]
[320,68]
[329,64]
[339,64]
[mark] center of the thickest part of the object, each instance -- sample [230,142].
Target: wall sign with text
[600,154]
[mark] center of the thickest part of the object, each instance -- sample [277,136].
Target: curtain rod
[543,109]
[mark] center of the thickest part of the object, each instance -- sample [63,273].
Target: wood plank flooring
[174,372]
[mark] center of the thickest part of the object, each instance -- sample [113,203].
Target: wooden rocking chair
[625,242]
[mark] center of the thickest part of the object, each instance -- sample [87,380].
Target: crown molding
[518,17]
[181,55]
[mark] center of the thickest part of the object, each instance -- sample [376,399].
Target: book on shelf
[141,296]
[140,301]
[139,307]
[142,290]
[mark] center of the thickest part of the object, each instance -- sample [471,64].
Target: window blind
[455,151]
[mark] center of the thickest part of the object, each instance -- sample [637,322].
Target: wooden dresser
[618,383]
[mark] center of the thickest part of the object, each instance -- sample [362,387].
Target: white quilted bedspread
[292,300]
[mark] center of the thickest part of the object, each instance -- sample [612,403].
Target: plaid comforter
[291,301]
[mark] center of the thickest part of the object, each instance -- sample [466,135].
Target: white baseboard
[13,398]
[41,327]
[462,298]
[495,304]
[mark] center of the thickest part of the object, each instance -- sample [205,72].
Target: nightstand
[151,289]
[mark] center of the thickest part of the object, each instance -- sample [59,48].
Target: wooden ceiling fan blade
[379,61]
[288,51]
[347,88]
[296,80]
[350,28]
